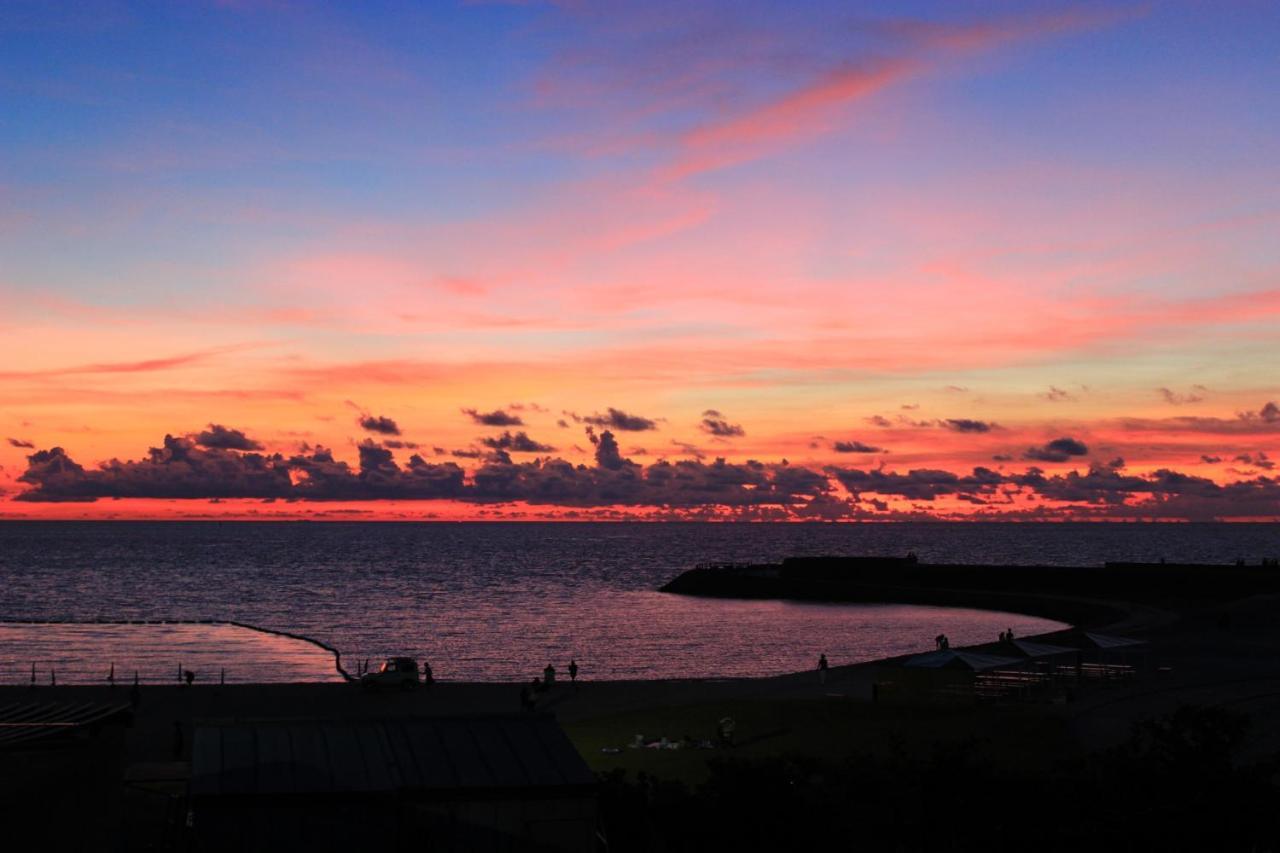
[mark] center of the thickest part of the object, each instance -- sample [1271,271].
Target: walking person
[573,672]
[823,666]
[549,677]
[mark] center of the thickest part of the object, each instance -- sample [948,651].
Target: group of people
[941,642]
[1006,636]
[529,692]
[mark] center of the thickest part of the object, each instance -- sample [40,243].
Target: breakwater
[1081,595]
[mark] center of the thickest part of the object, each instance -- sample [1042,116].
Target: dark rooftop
[432,755]
[21,723]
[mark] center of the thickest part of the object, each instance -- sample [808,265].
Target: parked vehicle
[395,672]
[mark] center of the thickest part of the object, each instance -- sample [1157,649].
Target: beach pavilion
[1103,656]
[946,674]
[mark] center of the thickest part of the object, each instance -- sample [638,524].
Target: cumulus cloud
[21,442]
[497,417]
[518,442]
[1257,460]
[1270,413]
[966,425]
[616,419]
[854,446]
[180,468]
[1163,493]
[225,438]
[607,453]
[879,421]
[1058,450]
[383,425]
[920,483]
[714,423]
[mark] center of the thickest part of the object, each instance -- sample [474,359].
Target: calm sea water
[498,601]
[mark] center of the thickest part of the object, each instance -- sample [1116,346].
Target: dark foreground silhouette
[1180,782]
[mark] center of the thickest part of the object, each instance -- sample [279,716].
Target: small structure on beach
[947,675]
[441,783]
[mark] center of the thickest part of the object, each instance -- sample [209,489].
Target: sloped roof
[427,754]
[953,659]
[1042,650]
[23,722]
[1106,641]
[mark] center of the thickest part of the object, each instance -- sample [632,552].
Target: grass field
[1028,738]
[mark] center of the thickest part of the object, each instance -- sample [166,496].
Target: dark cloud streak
[379,424]
[497,417]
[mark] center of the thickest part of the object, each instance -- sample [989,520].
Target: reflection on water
[79,653]
[490,601]
[651,635]
[626,635]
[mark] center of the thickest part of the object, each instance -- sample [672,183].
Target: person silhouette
[549,676]
[823,666]
[573,671]
[188,676]
[428,677]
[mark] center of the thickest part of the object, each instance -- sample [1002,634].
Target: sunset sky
[742,260]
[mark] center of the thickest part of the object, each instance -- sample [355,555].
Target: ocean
[498,601]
